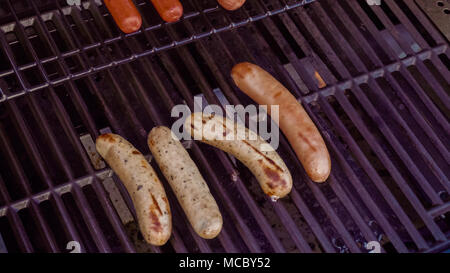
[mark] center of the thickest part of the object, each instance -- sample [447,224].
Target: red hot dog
[125,14]
[295,123]
[169,10]
[231,4]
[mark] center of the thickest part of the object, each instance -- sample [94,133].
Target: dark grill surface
[375,79]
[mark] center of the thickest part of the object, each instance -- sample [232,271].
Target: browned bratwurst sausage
[295,123]
[231,4]
[125,14]
[169,10]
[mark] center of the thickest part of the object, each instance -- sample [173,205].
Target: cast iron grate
[375,79]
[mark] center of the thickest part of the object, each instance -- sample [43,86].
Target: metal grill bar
[117,224]
[103,66]
[387,87]
[371,172]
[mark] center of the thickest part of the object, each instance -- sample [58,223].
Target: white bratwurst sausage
[143,185]
[186,181]
[248,147]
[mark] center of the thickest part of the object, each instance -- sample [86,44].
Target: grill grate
[375,79]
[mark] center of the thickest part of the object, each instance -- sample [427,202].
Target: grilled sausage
[143,185]
[249,148]
[169,10]
[125,13]
[186,181]
[295,123]
[231,4]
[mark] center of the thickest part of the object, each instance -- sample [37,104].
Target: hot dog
[265,164]
[186,181]
[125,13]
[295,123]
[231,4]
[143,185]
[169,10]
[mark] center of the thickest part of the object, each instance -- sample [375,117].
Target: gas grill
[374,78]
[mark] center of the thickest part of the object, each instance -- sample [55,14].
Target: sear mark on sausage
[206,118]
[275,178]
[226,130]
[144,164]
[107,137]
[155,205]
[155,224]
[265,157]
[244,70]
[306,140]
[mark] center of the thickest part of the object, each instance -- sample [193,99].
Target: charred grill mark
[155,224]
[275,179]
[306,140]
[191,124]
[205,119]
[275,165]
[193,130]
[108,137]
[144,164]
[242,70]
[155,205]
[226,130]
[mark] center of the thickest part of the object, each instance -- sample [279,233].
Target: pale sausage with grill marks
[186,182]
[247,146]
[143,185]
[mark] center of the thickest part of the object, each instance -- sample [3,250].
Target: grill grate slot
[373,78]
[86,239]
